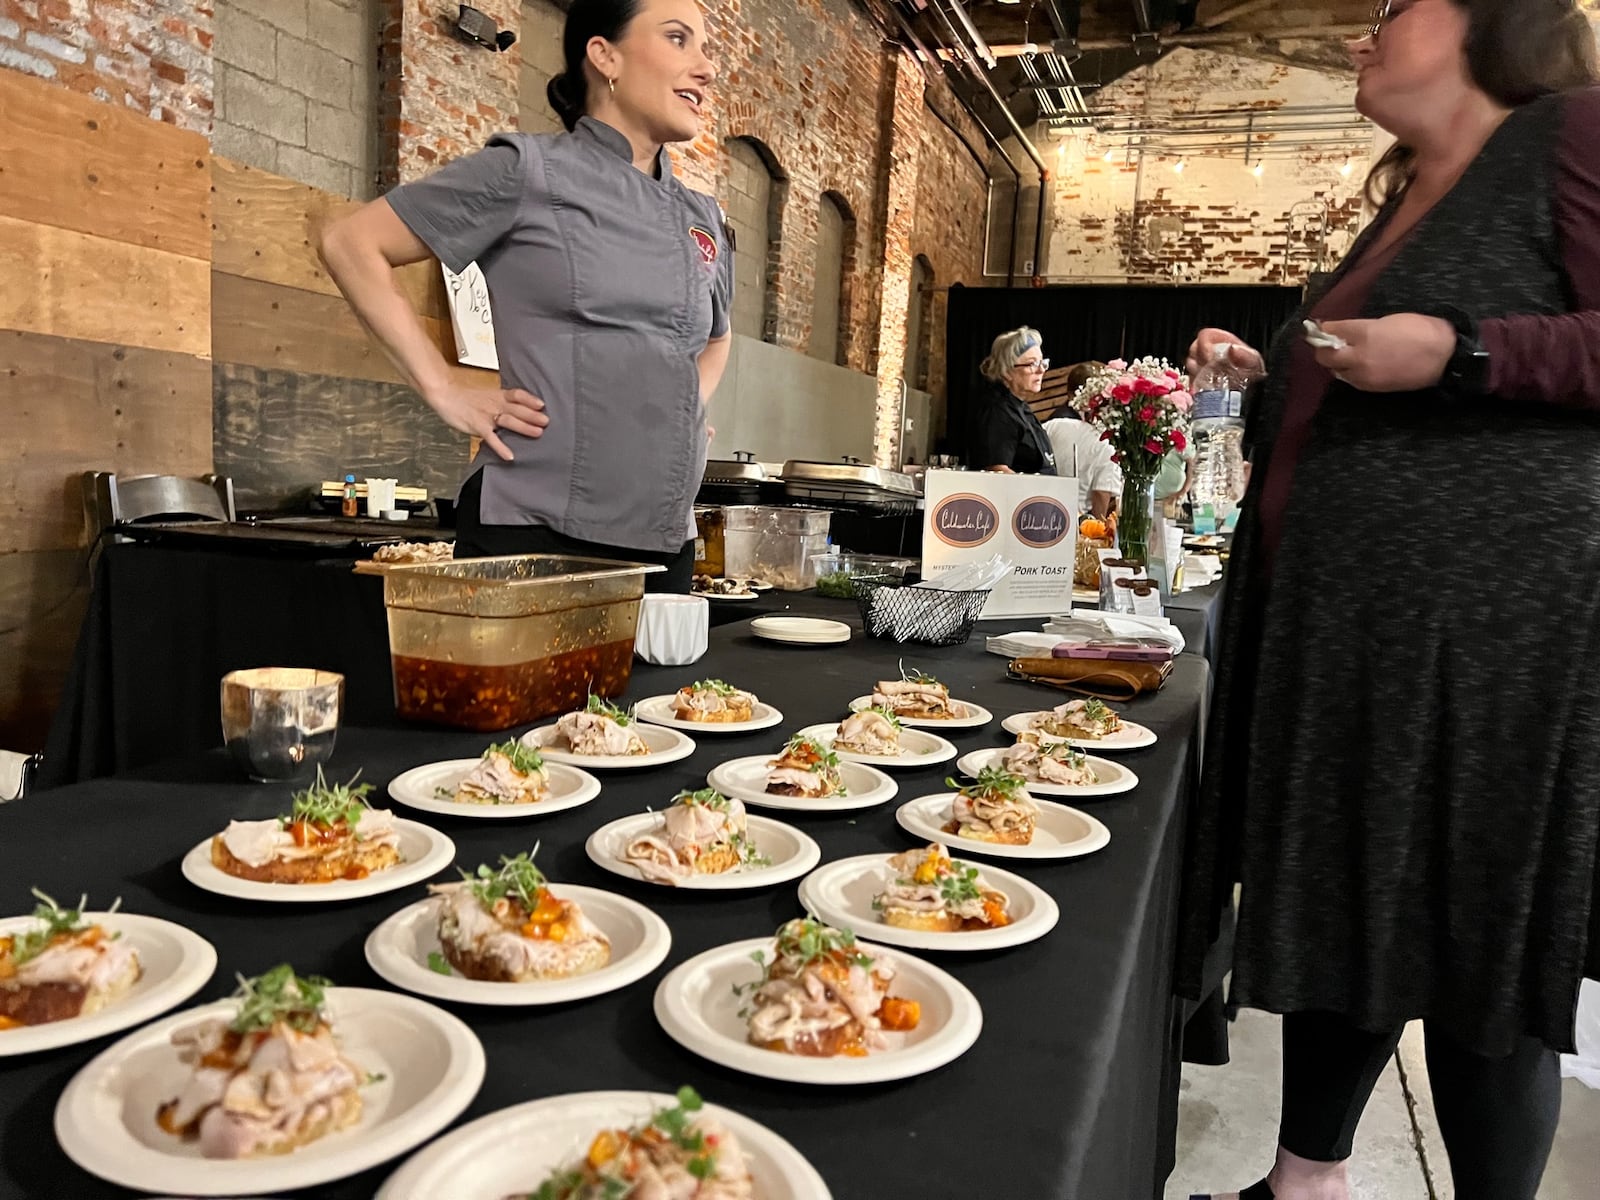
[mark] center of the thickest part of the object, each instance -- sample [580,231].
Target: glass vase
[1136,518]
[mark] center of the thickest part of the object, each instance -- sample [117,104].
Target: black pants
[474,539]
[1498,1115]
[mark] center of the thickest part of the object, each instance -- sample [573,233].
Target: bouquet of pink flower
[1141,408]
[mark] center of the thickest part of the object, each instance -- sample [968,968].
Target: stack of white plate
[801,631]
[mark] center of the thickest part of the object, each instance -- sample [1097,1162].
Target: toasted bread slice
[734,712]
[343,1111]
[927,922]
[721,857]
[1020,836]
[42,1003]
[593,956]
[843,1039]
[352,860]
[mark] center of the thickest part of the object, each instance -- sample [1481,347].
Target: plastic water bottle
[1217,422]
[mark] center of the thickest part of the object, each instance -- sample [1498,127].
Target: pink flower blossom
[1122,392]
[1146,386]
[1183,400]
[1118,364]
[1147,413]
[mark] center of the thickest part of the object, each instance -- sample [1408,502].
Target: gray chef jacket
[606,284]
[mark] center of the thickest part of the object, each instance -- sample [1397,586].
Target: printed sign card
[1030,520]
[471,317]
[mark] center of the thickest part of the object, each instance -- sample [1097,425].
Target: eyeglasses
[1042,365]
[1383,12]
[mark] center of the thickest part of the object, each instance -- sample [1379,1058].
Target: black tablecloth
[1069,1094]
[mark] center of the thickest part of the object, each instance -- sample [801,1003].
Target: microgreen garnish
[912,675]
[805,939]
[58,922]
[676,1124]
[705,798]
[516,877]
[279,995]
[960,885]
[525,760]
[438,962]
[1096,710]
[887,714]
[603,707]
[990,781]
[819,757]
[327,804]
[714,685]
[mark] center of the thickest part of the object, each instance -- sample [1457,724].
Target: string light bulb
[1347,168]
[1259,170]
[1178,167]
[1111,154]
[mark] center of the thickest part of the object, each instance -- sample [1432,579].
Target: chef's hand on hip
[1403,353]
[484,412]
[1245,358]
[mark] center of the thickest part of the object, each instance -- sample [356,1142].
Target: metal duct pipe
[1066,22]
[1141,12]
[1315,33]
[977,41]
[1021,135]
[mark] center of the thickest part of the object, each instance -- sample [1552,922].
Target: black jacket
[1004,433]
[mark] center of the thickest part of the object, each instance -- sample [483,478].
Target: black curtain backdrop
[1099,322]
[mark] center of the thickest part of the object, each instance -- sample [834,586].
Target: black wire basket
[924,615]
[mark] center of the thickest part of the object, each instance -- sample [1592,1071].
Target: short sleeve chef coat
[606,284]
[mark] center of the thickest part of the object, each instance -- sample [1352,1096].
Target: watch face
[1469,367]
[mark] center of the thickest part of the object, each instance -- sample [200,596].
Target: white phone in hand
[1319,337]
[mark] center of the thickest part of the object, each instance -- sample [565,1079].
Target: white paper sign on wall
[1031,520]
[471,317]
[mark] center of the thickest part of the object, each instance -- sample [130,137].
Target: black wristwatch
[1467,372]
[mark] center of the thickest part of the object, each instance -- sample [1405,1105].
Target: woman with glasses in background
[1003,434]
[1402,770]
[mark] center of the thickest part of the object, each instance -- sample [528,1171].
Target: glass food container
[774,543]
[708,544]
[836,568]
[488,643]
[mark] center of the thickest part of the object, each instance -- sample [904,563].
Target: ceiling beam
[1172,41]
[1235,11]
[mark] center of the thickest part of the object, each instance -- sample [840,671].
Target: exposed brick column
[440,97]
[901,155]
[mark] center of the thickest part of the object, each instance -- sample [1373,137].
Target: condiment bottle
[349,507]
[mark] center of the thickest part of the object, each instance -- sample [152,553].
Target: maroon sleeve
[1556,360]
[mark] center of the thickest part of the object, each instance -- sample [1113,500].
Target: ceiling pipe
[1311,33]
[1021,135]
[976,39]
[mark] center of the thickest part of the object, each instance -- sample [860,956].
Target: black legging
[477,540]
[1498,1115]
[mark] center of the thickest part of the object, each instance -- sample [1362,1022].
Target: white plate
[666,746]
[1132,736]
[398,950]
[432,1064]
[513,1151]
[801,631]
[733,597]
[176,964]
[1114,778]
[1059,832]
[425,851]
[746,778]
[697,1008]
[658,710]
[921,749]
[977,715]
[792,853]
[569,788]
[841,894]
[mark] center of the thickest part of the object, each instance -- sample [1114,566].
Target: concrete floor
[1228,1116]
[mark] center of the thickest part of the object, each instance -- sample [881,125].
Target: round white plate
[425,852]
[176,964]
[746,778]
[398,950]
[921,749]
[431,1062]
[801,631]
[569,788]
[513,1151]
[841,893]
[792,853]
[1059,832]
[1132,736]
[1114,778]
[658,710]
[666,746]
[977,715]
[725,597]
[697,1008]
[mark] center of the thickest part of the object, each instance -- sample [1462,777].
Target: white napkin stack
[1023,644]
[1088,624]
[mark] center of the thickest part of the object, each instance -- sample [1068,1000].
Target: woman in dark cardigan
[1403,763]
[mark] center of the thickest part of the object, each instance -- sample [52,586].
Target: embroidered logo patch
[706,243]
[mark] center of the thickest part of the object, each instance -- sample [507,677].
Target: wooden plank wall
[301,393]
[105,347]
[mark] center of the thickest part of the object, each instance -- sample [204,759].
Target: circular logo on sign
[1041,522]
[965,520]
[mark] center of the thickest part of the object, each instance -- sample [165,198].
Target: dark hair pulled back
[1517,51]
[568,92]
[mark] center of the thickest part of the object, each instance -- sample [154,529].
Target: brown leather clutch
[1106,679]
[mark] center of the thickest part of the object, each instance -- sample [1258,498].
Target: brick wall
[153,56]
[439,96]
[1216,221]
[297,90]
[541,61]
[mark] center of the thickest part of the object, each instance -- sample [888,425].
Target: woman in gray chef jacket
[610,282]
